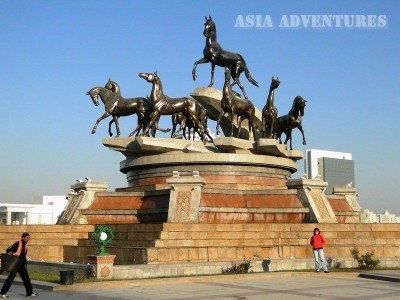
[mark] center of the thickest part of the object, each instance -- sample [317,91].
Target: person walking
[19,249]
[317,242]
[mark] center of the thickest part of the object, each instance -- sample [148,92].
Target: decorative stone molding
[80,197]
[184,200]
[311,193]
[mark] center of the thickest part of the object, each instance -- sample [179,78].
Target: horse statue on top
[285,124]
[142,119]
[117,106]
[270,112]
[242,108]
[164,105]
[214,54]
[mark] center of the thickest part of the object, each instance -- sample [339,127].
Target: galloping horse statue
[117,106]
[285,124]
[243,108]
[270,112]
[164,105]
[214,54]
[114,87]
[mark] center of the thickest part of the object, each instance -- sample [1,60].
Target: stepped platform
[200,243]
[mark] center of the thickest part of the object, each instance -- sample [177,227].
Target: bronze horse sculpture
[117,106]
[186,122]
[270,112]
[214,54]
[114,87]
[243,108]
[164,105]
[285,124]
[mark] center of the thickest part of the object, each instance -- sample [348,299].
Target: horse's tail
[249,78]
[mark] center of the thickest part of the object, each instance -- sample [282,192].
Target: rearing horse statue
[270,112]
[164,105]
[285,124]
[214,54]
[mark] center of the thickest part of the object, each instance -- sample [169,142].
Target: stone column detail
[80,197]
[184,199]
[311,193]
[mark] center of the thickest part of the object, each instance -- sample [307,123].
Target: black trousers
[23,273]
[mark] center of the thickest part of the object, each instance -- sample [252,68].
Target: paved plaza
[282,285]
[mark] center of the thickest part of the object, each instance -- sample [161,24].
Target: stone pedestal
[103,265]
[184,199]
[311,193]
[80,197]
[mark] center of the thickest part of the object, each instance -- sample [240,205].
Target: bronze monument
[270,112]
[242,108]
[214,54]
[285,124]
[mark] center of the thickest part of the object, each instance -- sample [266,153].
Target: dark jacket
[24,250]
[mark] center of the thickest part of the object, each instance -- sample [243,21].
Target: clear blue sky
[53,52]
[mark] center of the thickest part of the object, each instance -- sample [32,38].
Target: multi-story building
[44,210]
[336,168]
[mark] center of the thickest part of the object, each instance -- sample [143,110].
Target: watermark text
[312,21]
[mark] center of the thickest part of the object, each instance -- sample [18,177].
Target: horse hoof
[194,77]
[93,131]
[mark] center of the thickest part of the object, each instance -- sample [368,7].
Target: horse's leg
[237,81]
[105,115]
[273,128]
[240,119]
[251,128]
[219,119]
[181,128]
[302,132]
[116,126]
[212,74]
[288,133]
[138,127]
[200,61]
[241,87]
[153,118]
[264,124]
[232,117]
[174,123]
[109,127]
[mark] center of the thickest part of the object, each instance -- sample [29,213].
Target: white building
[313,155]
[387,217]
[370,216]
[44,210]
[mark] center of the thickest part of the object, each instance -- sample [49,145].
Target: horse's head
[94,94]
[300,104]
[149,77]
[209,27]
[113,87]
[274,83]
[109,84]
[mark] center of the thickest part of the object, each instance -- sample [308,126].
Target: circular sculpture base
[226,164]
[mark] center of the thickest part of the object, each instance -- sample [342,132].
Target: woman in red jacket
[317,242]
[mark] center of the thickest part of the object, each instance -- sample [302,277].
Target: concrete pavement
[274,285]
